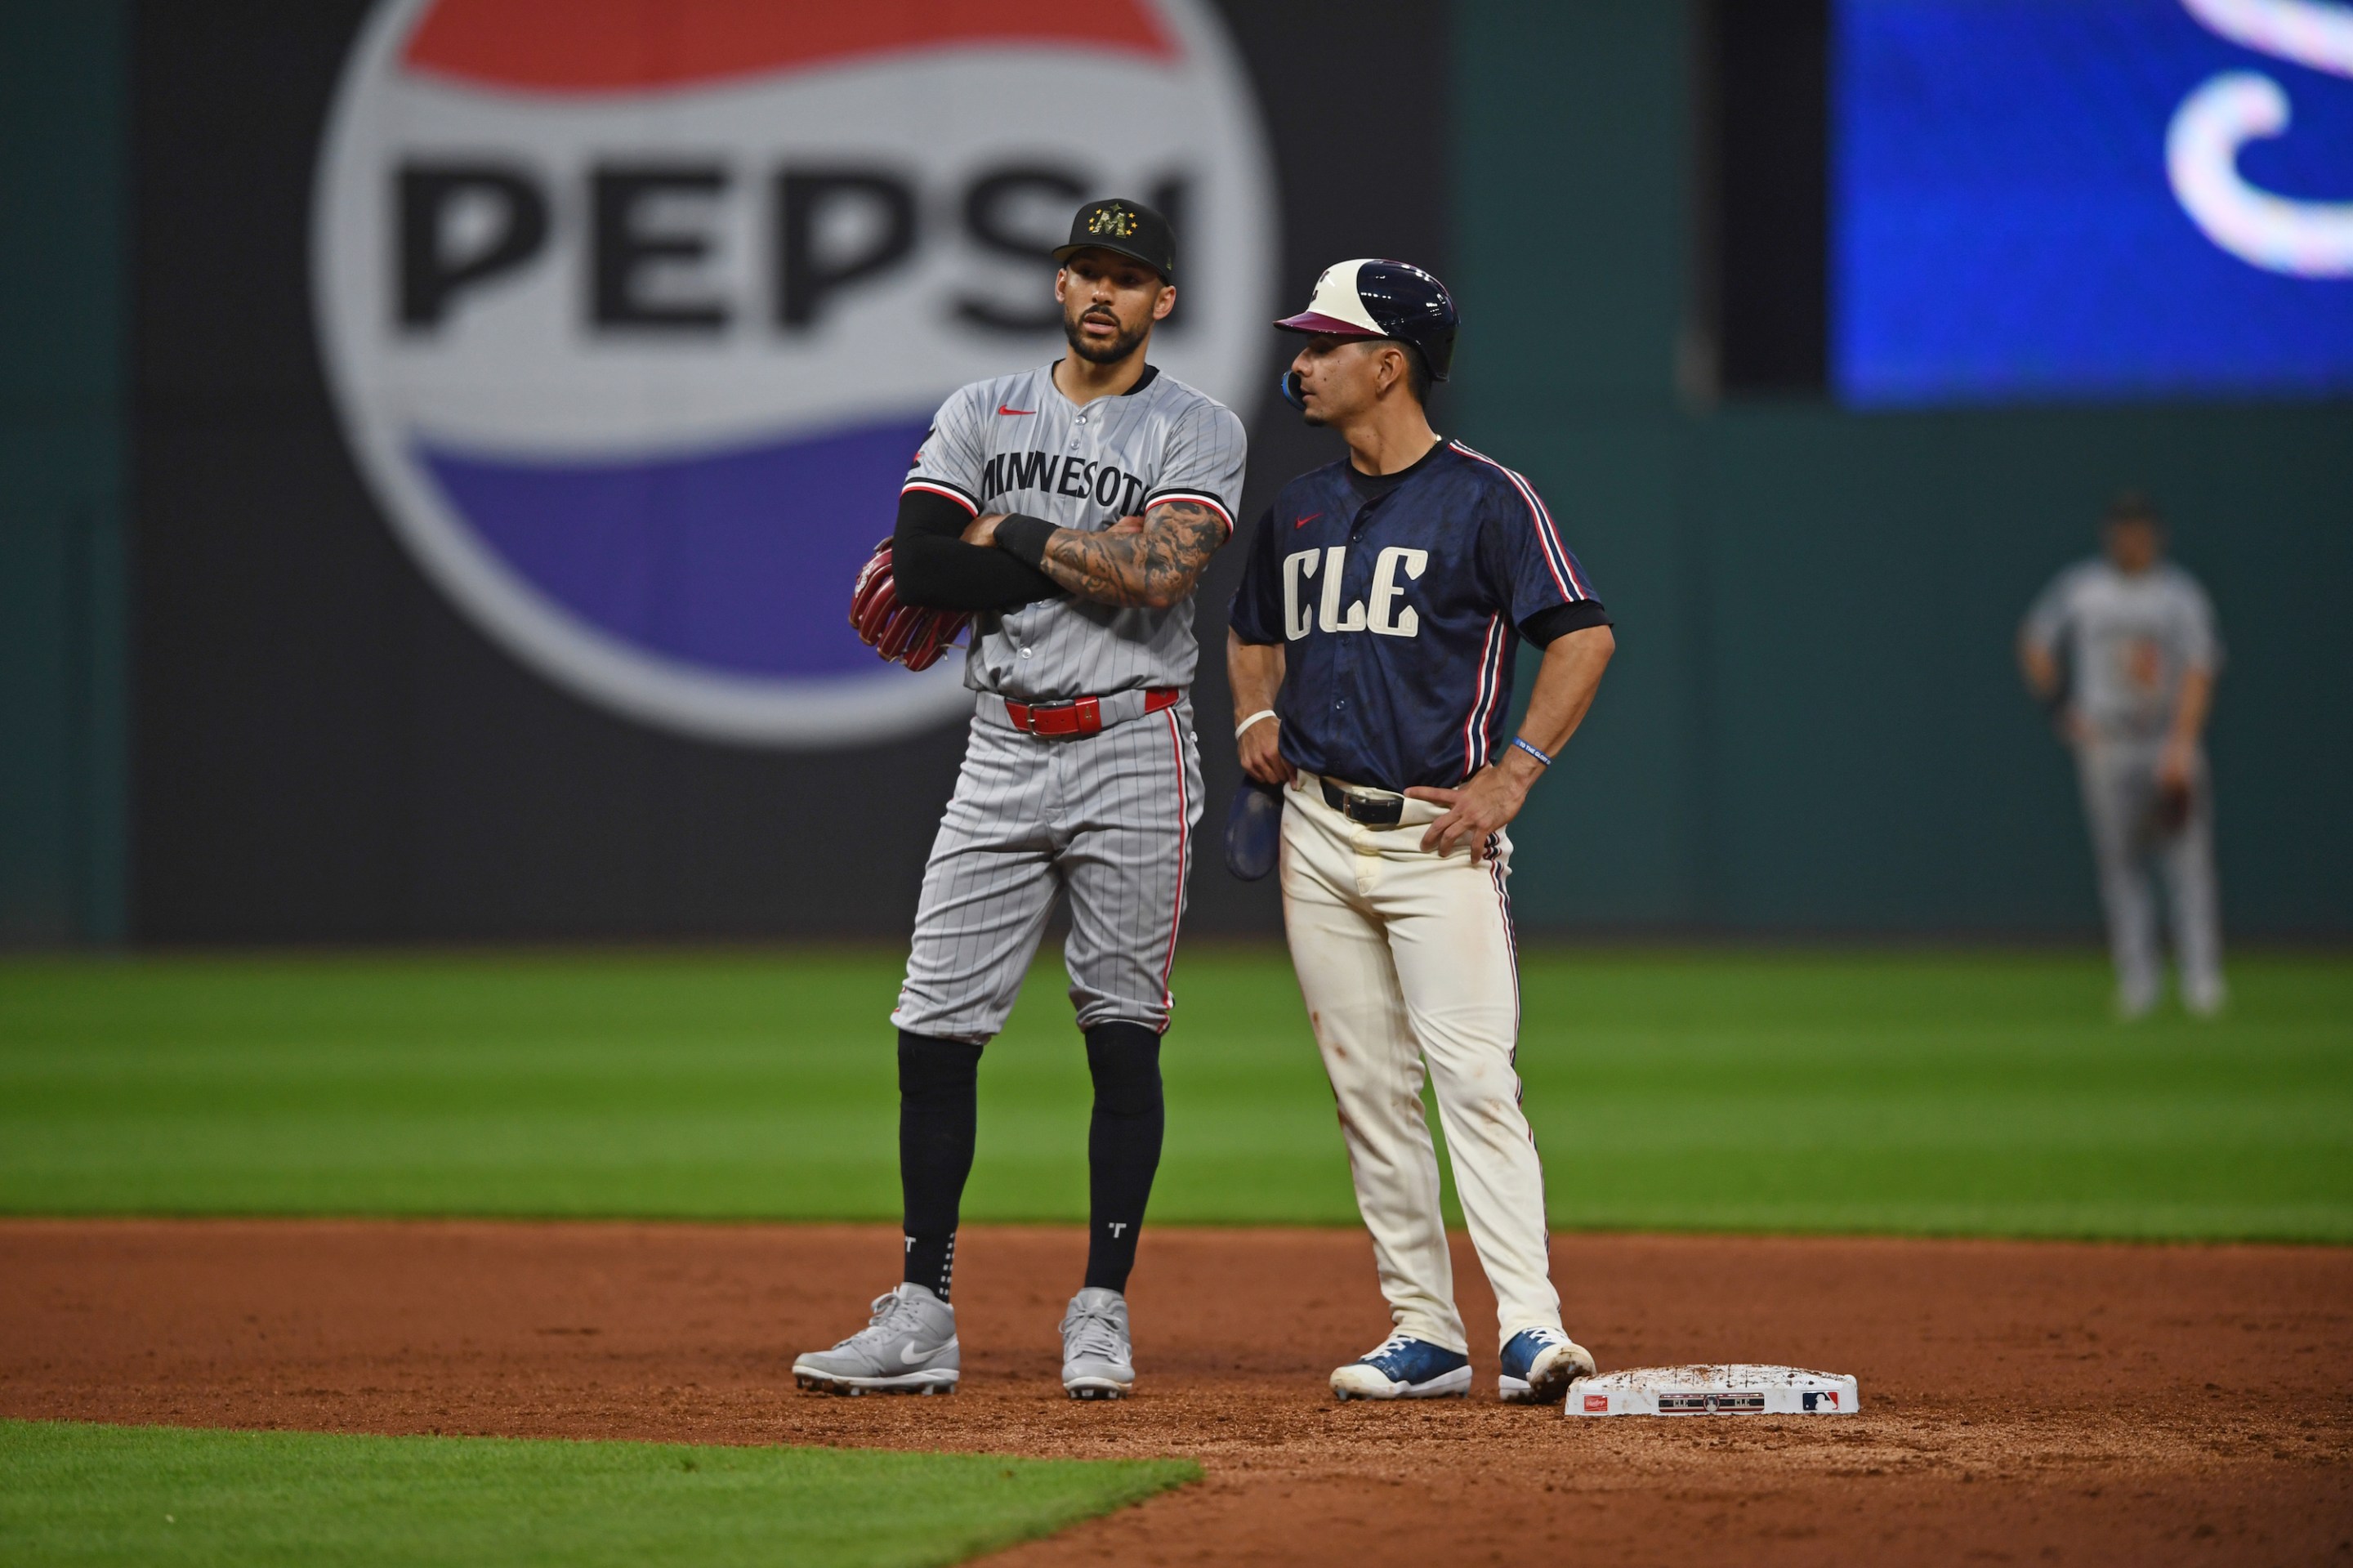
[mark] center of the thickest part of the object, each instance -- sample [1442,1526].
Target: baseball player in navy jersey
[1070,509]
[1371,652]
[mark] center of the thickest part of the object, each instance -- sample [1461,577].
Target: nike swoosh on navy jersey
[1303,522]
[1003,409]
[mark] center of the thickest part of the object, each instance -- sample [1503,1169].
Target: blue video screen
[2090,200]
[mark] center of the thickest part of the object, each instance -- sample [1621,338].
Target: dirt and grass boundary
[2022,1401]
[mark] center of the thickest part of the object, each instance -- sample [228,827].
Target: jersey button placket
[1356,588]
[1344,648]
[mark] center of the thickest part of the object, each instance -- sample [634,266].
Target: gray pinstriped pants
[2119,783]
[1107,817]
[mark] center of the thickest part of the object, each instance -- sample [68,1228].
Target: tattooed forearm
[1156,566]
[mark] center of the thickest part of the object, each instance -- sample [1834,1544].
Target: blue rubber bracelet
[1531,751]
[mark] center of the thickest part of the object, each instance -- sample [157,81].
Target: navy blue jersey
[1400,602]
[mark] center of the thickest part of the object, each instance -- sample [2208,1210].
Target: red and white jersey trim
[1566,575]
[1491,682]
[1184,837]
[935,487]
[1199,497]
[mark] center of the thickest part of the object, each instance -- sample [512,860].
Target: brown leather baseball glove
[902,633]
[2169,813]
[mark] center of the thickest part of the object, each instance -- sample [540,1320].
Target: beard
[1094,353]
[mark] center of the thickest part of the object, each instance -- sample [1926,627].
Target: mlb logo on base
[1736,1389]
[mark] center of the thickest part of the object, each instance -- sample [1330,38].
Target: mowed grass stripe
[1967,1092]
[72,1494]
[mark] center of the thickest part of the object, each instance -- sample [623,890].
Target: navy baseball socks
[910,1345]
[938,1105]
[1122,1154]
[938,1089]
[1123,1146]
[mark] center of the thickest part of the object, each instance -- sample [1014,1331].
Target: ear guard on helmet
[1290,393]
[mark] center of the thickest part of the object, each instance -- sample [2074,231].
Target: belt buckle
[1369,813]
[1083,716]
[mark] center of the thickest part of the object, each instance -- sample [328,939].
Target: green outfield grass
[1952,1094]
[164,1496]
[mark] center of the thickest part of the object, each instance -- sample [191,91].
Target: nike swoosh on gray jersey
[1085,467]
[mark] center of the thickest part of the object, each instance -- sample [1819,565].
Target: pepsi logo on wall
[635,311]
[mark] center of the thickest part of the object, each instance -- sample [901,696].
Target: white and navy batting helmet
[1370,298]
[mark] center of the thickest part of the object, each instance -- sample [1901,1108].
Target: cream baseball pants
[1405,960]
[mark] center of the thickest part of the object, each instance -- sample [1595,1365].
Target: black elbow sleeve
[934,568]
[1547,627]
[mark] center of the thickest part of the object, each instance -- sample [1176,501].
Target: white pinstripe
[1106,820]
[1090,817]
[1166,441]
[1184,836]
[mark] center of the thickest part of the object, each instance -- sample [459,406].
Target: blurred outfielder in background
[2122,651]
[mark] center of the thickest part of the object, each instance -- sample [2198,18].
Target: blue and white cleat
[1402,1367]
[1538,1366]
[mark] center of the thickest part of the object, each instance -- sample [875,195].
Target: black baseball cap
[1128,228]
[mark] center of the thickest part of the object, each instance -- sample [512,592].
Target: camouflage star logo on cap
[1112,220]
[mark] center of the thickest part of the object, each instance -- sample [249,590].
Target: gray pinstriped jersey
[1013,443]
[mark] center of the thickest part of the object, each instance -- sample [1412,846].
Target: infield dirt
[2024,1403]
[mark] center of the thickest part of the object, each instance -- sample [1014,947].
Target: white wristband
[1262,714]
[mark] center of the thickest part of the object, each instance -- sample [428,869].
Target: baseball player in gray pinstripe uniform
[2125,652]
[1070,509]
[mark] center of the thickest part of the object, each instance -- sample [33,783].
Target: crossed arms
[1151,561]
[949,560]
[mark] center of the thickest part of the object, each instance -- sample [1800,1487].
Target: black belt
[1386,811]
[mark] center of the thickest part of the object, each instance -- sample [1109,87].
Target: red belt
[1083,715]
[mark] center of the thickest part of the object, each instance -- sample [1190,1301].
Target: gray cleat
[1097,1362]
[910,1347]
